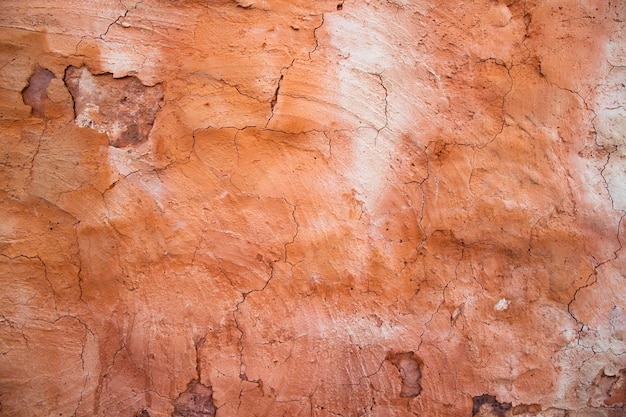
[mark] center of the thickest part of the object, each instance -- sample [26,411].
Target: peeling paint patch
[122,108]
[609,389]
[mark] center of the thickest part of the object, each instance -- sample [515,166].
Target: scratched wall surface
[312,208]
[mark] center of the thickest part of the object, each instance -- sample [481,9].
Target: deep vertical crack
[285,70]
[275,98]
[242,366]
[443,298]
[201,240]
[317,43]
[381,81]
[197,345]
[293,239]
[80,262]
[503,106]
[31,175]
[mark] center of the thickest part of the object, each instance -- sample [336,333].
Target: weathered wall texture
[312,208]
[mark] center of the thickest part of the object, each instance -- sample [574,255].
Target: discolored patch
[123,108]
[35,94]
[486,405]
[608,388]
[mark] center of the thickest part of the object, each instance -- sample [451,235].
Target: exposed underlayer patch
[609,389]
[409,366]
[196,401]
[35,94]
[123,108]
[487,406]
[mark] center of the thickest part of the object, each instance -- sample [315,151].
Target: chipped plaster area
[324,209]
[124,109]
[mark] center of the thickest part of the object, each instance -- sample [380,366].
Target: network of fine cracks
[237,312]
[592,278]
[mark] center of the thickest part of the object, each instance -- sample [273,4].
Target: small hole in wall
[340,6]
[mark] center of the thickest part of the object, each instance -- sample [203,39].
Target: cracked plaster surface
[331,193]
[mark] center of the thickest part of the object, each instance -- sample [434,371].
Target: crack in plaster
[293,239]
[285,70]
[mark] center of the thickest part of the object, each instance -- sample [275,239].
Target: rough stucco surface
[312,208]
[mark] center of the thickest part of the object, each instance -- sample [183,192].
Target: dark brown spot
[488,403]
